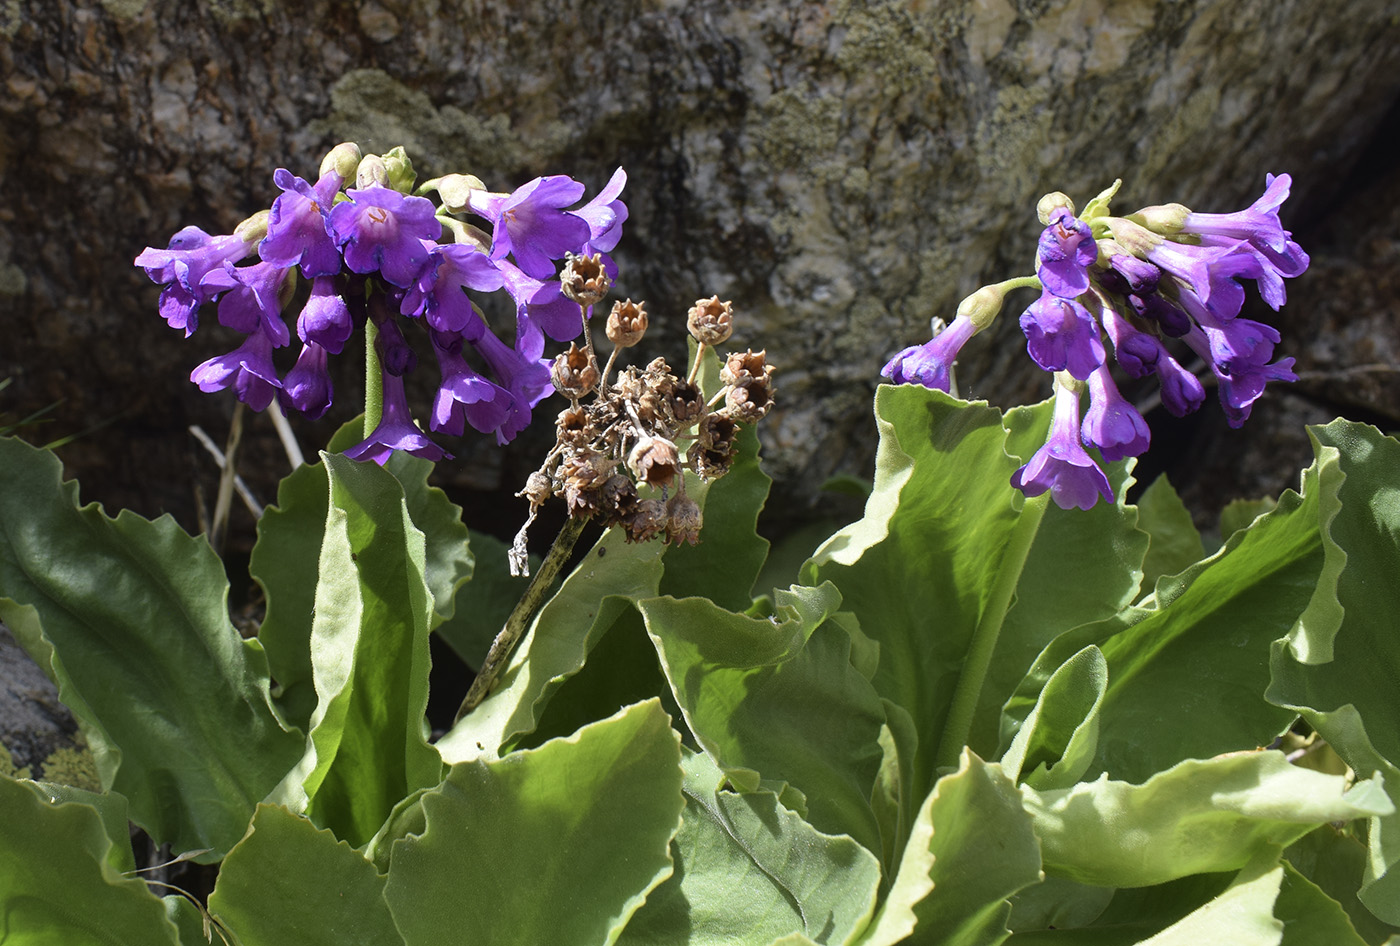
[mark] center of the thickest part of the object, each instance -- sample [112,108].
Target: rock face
[841,171]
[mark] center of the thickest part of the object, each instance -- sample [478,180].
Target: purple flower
[1182,391]
[248,369]
[542,303]
[1239,391]
[1111,423]
[396,430]
[1271,267]
[252,301]
[1152,306]
[928,364]
[1257,224]
[1062,466]
[605,214]
[1138,275]
[381,230]
[1066,251]
[325,318]
[464,395]
[520,371]
[1239,357]
[181,268]
[307,387]
[1135,351]
[439,294]
[1061,335]
[1209,271]
[296,227]
[395,354]
[531,223]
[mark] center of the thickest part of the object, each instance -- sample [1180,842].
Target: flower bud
[654,460]
[584,279]
[983,306]
[627,323]
[400,170]
[371,172]
[1050,203]
[683,520]
[1166,219]
[456,189]
[253,229]
[710,321]
[343,159]
[574,374]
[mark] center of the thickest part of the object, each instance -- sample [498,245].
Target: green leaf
[1339,663]
[589,602]
[1059,909]
[1175,543]
[1060,737]
[777,700]
[483,604]
[1240,513]
[749,871]
[448,561]
[109,805]
[288,881]
[1187,665]
[1197,817]
[56,882]
[1310,917]
[971,848]
[369,651]
[1336,863]
[129,617]
[1241,916]
[559,844]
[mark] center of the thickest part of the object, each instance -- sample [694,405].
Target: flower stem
[520,617]
[984,639]
[374,380]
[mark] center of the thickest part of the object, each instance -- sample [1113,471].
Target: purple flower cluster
[1137,282]
[372,253]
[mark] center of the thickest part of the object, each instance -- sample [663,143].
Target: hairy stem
[519,618]
[374,380]
[984,638]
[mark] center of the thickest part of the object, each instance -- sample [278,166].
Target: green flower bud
[371,172]
[1166,219]
[1050,203]
[253,229]
[984,305]
[401,173]
[343,159]
[456,189]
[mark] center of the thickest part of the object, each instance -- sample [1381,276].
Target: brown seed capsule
[687,402]
[573,373]
[683,520]
[619,499]
[537,489]
[712,453]
[574,427]
[627,323]
[710,321]
[646,521]
[584,474]
[654,460]
[584,279]
[747,364]
[749,400]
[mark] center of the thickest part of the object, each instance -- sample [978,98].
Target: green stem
[984,638]
[519,618]
[374,380]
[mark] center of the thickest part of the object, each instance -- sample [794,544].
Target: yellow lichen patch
[7,765]
[72,765]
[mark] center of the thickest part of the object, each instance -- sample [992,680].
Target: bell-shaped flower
[465,396]
[522,372]
[248,369]
[380,230]
[396,430]
[605,214]
[307,387]
[542,303]
[325,318]
[1061,335]
[1066,251]
[1063,466]
[439,294]
[297,231]
[929,364]
[531,223]
[252,301]
[1257,224]
[1111,423]
[181,268]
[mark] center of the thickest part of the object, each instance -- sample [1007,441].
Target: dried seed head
[627,323]
[654,460]
[710,321]
[537,489]
[584,279]
[619,499]
[687,402]
[573,426]
[584,474]
[747,364]
[574,373]
[749,400]
[683,520]
[646,521]
[712,453]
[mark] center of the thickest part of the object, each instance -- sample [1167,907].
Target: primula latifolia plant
[973,716]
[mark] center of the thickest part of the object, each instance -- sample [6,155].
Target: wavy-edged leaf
[749,871]
[559,844]
[129,617]
[1339,664]
[971,848]
[1175,544]
[777,700]
[111,806]
[1242,916]
[369,650]
[1336,863]
[289,881]
[1310,917]
[1198,817]
[56,885]
[1058,741]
